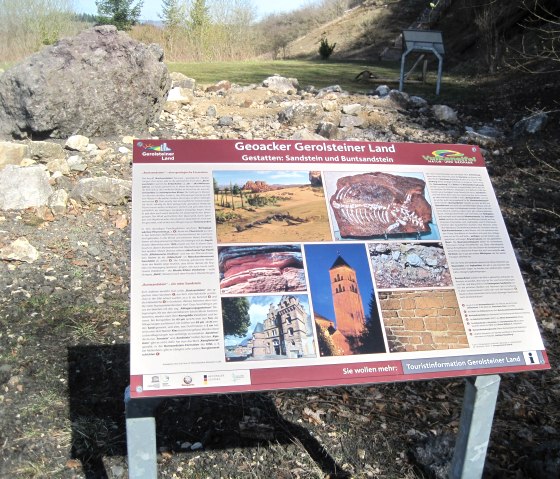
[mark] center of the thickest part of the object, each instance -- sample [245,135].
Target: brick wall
[422,320]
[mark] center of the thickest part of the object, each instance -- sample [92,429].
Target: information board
[277,264]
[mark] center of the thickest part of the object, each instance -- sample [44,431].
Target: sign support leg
[141,437]
[475,426]
[439,71]
[403,62]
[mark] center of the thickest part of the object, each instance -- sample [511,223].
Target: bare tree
[174,14]
[487,15]
[541,42]
[28,25]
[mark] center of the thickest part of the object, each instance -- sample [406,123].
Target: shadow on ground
[98,377]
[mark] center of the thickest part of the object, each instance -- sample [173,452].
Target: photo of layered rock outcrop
[377,204]
[261,269]
[270,207]
[409,265]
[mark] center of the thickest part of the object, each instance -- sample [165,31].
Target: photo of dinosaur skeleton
[380,204]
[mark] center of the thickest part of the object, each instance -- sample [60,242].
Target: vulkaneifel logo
[161,150]
[449,157]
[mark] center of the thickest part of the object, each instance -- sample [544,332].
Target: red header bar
[294,151]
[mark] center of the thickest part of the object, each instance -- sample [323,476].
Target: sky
[152,8]
[239,178]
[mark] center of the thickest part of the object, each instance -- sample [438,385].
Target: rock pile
[55,178]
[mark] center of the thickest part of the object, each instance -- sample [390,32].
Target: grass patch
[46,403]
[97,434]
[85,331]
[321,74]
[308,72]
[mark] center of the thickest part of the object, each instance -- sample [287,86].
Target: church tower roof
[340,262]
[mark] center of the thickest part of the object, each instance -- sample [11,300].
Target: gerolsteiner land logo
[449,157]
[161,150]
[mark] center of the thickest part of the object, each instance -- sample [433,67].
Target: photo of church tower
[348,307]
[345,311]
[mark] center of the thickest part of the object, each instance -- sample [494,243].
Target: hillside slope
[361,33]
[479,39]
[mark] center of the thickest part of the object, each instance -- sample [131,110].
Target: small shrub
[326,49]
[225,216]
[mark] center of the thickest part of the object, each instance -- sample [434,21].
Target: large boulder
[98,83]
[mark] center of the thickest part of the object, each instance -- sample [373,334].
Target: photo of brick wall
[422,320]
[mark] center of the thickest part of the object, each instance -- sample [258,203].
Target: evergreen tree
[199,16]
[120,13]
[199,32]
[371,339]
[173,14]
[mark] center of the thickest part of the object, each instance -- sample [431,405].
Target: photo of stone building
[284,333]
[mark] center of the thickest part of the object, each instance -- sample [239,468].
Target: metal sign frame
[479,403]
[426,41]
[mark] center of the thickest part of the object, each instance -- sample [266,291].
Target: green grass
[317,73]
[321,74]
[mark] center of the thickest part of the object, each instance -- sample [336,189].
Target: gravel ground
[64,350]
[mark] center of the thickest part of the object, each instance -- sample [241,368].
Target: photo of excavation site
[380,205]
[261,269]
[270,207]
[409,265]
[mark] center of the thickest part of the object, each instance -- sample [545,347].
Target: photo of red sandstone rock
[261,269]
[377,204]
[270,207]
[422,320]
[409,265]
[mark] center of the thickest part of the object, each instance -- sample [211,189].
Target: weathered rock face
[98,83]
[12,153]
[374,204]
[257,269]
[281,84]
[19,250]
[409,265]
[300,113]
[257,186]
[530,125]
